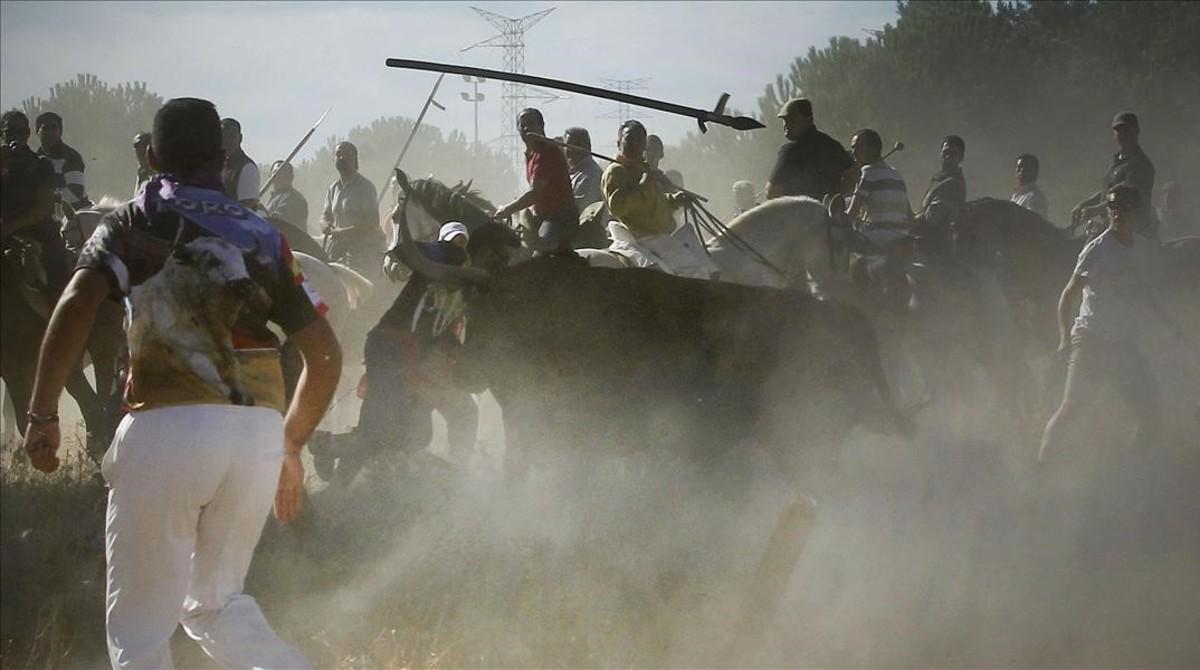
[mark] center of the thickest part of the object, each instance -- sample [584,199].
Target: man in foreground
[204,448]
[1111,283]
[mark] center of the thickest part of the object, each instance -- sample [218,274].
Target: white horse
[788,237]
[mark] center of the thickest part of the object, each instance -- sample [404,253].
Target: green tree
[100,121]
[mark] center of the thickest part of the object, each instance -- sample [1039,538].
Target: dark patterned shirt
[159,237]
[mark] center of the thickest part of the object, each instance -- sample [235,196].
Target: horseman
[1130,165]
[553,218]
[350,219]
[810,163]
[1027,193]
[585,173]
[68,164]
[240,173]
[284,202]
[879,206]
[637,194]
[585,185]
[945,197]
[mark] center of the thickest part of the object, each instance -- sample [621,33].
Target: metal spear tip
[744,123]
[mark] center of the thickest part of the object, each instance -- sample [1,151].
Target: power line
[513,97]
[623,112]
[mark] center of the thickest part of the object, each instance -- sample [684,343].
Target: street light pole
[474,99]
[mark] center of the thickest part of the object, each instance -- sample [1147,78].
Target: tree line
[1009,77]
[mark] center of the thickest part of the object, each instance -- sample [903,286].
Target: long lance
[295,151]
[717,115]
[413,133]
[656,175]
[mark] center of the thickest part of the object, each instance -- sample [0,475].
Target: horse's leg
[18,387]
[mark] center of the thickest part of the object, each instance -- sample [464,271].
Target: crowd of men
[209,525]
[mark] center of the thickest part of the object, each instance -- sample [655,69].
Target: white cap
[452,230]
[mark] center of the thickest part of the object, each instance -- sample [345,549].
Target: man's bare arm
[526,200]
[1066,307]
[322,368]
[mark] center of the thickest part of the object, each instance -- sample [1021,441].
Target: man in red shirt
[552,218]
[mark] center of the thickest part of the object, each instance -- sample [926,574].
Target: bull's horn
[427,267]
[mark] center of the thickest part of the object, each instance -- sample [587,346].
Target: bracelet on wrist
[35,418]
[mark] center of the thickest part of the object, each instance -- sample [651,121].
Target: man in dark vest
[239,174]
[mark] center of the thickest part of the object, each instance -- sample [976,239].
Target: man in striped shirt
[68,164]
[879,205]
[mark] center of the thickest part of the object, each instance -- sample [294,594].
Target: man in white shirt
[1027,194]
[1111,280]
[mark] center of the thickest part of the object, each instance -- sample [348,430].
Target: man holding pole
[637,194]
[553,217]
[350,219]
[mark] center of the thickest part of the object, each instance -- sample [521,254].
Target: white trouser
[191,487]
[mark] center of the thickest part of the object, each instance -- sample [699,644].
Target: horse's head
[423,205]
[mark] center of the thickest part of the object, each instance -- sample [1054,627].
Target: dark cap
[796,106]
[1126,119]
[1123,195]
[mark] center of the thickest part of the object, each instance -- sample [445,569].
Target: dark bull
[592,357]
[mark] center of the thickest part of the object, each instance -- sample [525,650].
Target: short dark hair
[956,141]
[1031,159]
[535,113]
[186,135]
[14,115]
[631,123]
[654,139]
[583,139]
[229,122]
[871,138]
[49,117]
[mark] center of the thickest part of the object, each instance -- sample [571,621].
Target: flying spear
[295,151]
[702,116]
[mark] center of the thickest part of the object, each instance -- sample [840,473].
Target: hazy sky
[277,66]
